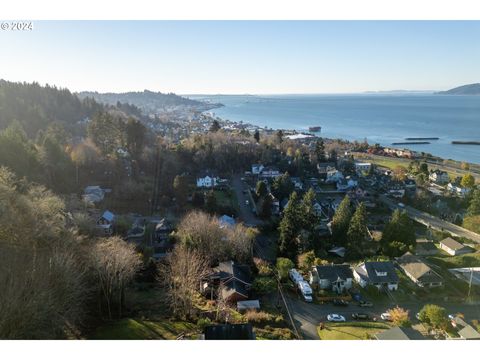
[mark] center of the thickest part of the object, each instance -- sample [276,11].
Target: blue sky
[230,57]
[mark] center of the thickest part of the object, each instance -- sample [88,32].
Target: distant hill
[470,89]
[36,107]
[147,101]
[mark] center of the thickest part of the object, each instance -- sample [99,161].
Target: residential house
[439,177]
[106,222]
[458,190]
[346,184]
[297,183]
[324,168]
[207,181]
[161,241]
[419,272]
[425,247]
[337,278]
[257,169]
[334,176]
[410,184]
[275,205]
[400,333]
[226,221]
[93,194]
[453,247]
[136,233]
[464,330]
[362,167]
[270,172]
[377,273]
[229,332]
[231,280]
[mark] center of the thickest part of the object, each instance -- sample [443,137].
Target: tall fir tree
[341,221]
[290,227]
[357,233]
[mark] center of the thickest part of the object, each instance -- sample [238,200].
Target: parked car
[360,316]
[417,316]
[386,316]
[340,302]
[247,202]
[335,318]
[364,303]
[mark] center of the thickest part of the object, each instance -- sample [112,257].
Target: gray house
[377,273]
[419,272]
[337,278]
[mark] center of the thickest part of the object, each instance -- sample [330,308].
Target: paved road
[432,221]
[307,316]
[246,214]
[264,247]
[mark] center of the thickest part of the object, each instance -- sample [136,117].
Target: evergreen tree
[399,235]
[474,207]
[290,227]
[261,189]
[256,135]
[215,126]
[340,222]
[279,135]
[282,186]
[266,207]
[320,151]
[210,202]
[357,232]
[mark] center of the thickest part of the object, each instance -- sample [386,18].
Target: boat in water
[315,128]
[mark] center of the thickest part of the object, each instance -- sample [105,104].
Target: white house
[380,274]
[270,172]
[257,169]
[453,247]
[207,181]
[361,167]
[457,190]
[105,223]
[334,176]
[439,177]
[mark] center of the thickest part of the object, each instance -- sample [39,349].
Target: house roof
[234,286]
[229,332]
[400,333]
[418,269]
[226,220]
[372,271]
[107,215]
[452,244]
[228,269]
[425,245]
[333,272]
[162,225]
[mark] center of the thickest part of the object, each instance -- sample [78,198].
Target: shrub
[203,322]
[263,267]
[264,285]
[254,316]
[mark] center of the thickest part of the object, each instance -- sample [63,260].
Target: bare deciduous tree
[115,263]
[182,275]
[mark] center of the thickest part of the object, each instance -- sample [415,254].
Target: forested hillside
[146,100]
[35,106]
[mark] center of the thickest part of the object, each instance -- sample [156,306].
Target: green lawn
[226,198]
[136,329]
[361,330]
[459,261]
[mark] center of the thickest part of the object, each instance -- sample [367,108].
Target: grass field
[361,330]
[136,329]
[459,261]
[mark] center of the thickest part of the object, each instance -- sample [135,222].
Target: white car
[386,316]
[335,318]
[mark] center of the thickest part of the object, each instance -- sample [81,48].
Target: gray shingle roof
[333,272]
[452,244]
[377,272]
